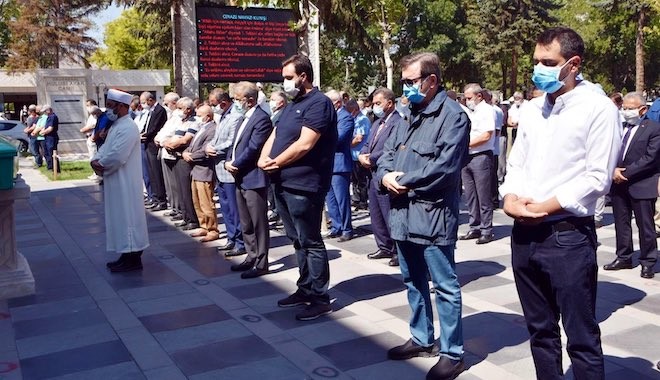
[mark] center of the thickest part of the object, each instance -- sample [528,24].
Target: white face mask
[145,107]
[110,113]
[273,105]
[239,108]
[290,88]
[378,111]
[217,109]
[631,116]
[471,104]
[178,113]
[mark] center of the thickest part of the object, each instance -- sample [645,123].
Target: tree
[8,11]
[49,32]
[135,40]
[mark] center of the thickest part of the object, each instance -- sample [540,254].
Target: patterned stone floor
[186,315]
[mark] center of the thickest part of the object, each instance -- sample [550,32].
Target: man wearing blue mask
[421,168]
[561,162]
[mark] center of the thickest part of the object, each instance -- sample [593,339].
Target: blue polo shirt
[313,171]
[362,127]
[53,121]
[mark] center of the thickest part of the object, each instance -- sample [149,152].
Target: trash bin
[8,163]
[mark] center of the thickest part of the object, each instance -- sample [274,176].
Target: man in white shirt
[476,175]
[560,164]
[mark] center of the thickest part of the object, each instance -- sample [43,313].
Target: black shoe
[181,223]
[121,259]
[330,235]
[150,205]
[618,264]
[345,237]
[394,261]
[647,271]
[446,369]
[242,267]
[227,247]
[295,299]
[410,349]
[133,262]
[598,223]
[485,239]
[379,255]
[254,272]
[470,235]
[171,213]
[176,217]
[190,226]
[159,207]
[314,311]
[236,252]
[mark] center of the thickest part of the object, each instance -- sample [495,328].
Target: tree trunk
[301,28]
[175,12]
[503,87]
[389,65]
[639,51]
[514,70]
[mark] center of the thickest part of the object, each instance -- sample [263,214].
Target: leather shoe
[209,237]
[618,264]
[379,255]
[647,271]
[330,235]
[150,205]
[122,258]
[198,234]
[394,261]
[176,217]
[171,213]
[470,235]
[131,263]
[254,272]
[190,226]
[227,247]
[159,207]
[180,224]
[235,252]
[410,349]
[245,265]
[446,369]
[485,239]
[345,237]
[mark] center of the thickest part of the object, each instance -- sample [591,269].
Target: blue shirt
[313,171]
[362,127]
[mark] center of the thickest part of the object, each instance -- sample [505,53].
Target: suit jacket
[248,148]
[642,162]
[157,119]
[226,128]
[374,145]
[345,125]
[203,166]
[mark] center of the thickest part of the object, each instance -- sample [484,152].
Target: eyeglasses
[410,82]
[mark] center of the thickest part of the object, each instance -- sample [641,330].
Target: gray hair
[148,95]
[280,94]
[474,88]
[334,95]
[171,97]
[246,89]
[635,96]
[186,102]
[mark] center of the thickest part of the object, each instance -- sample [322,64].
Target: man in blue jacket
[421,168]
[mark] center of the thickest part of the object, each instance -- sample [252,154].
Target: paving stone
[120,371]
[360,352]
[196,336]
[63,340]
[63,322]
[155,291]
[164,305]
[51,309]
[276,368]
[183,318]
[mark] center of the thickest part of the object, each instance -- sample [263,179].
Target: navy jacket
[157,119]
[642,162]
[345,125]
[431,153]
[374,146]
[248,149]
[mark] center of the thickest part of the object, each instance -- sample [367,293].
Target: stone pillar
[16,278]
[189,75]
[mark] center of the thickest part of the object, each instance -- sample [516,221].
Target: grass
[70,170]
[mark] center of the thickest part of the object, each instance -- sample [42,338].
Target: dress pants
[229,209]
[501,159]
[171,185]
[182,175]
[379,211]
[202,194]
[339,204]
[158,192]
[145,171]
[555,274]
[253,213]
[359,180]
[623,207]
[477,184]
[301,215]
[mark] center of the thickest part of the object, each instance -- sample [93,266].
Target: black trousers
[623,207]
[555,270]
[158,191]
[252,212]
[182,176]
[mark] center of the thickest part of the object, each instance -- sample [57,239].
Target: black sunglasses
[410,82]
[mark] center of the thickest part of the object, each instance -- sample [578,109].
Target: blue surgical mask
[412,92]
[546,78]
[239,108]
[379,111]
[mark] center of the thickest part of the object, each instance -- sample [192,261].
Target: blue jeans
[301,215]
[339,203]
[556,275]
[229,209]
[50,145]
[416,261]
[36,150]
[145,171]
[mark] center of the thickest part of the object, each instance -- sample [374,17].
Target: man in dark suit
[339,198]
[203,176]
[384,108]
[635,187]
[251,182]
[156,118]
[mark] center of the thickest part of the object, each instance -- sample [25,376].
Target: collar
[433,107]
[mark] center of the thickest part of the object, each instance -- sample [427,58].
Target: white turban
[120,96]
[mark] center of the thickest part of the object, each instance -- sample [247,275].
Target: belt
[545,229]
[485,152]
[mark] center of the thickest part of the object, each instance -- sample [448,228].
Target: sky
[101,19]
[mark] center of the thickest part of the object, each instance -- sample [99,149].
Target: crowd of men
[409,162]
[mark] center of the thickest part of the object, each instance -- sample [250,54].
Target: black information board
[235,44]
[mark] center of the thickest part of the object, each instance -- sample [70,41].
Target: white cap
[120,96]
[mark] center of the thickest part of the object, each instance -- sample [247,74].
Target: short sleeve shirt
[313,171]
[362,127]
[53,121]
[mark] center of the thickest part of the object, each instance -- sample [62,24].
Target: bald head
[205,113]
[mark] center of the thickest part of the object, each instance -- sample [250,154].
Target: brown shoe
[209,237]
[198,233]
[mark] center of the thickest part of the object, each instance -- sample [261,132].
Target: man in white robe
[119,161]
